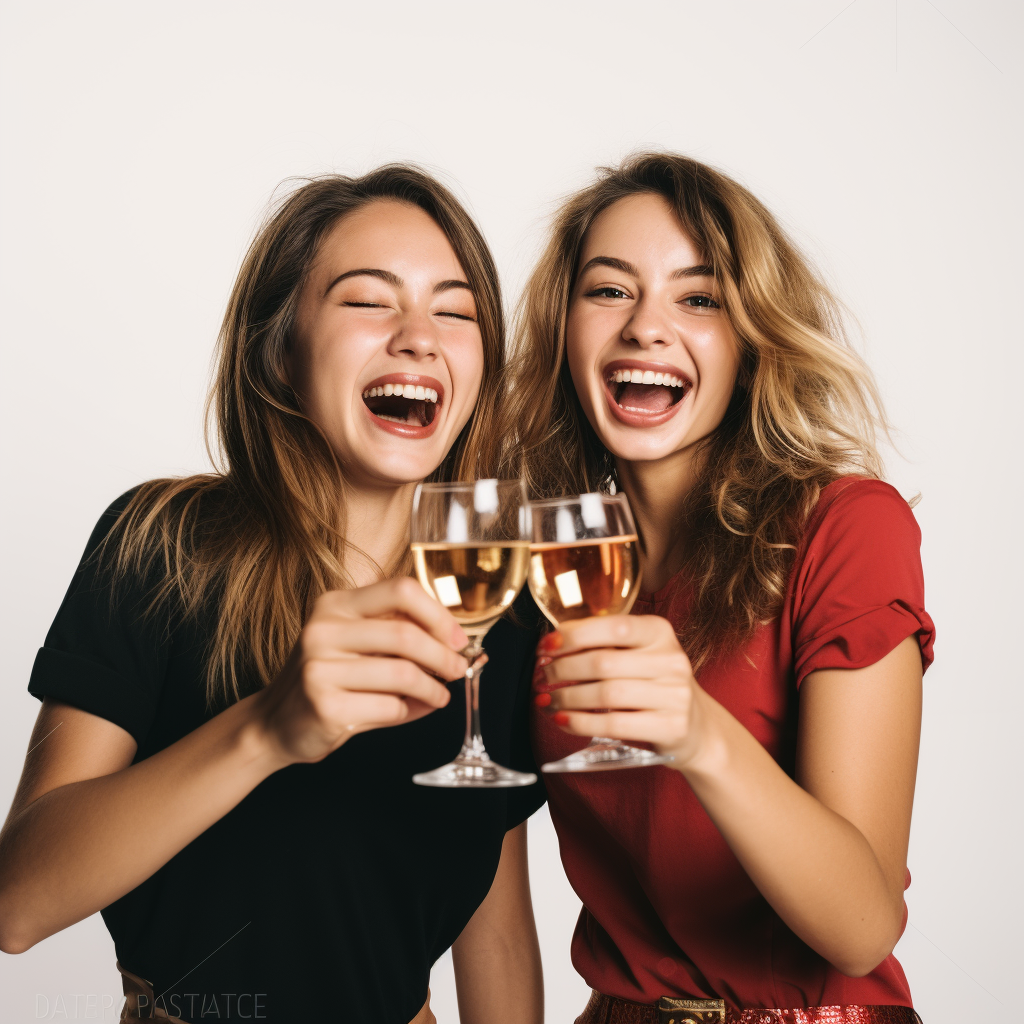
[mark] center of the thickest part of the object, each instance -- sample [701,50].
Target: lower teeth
[393,419]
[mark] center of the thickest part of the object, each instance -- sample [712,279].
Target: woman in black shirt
[242,678]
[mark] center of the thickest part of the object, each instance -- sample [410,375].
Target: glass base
[474,772]
[606,755]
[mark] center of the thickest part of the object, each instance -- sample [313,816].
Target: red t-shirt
[667,908]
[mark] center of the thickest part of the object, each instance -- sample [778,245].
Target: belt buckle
[690,1011]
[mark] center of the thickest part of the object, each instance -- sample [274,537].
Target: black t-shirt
[332,888]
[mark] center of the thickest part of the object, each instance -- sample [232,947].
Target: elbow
[860,958]
[15,937]
[14,943]
[12,938]
[856,967]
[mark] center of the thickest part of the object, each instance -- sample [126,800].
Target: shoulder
[861,541]
[139,512]
[112,513]
[859,507]
[145,532]
[858,585]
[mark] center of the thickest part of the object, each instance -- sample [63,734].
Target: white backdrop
[142,142]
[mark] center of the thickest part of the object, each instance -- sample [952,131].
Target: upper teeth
[413,391]
[647,377]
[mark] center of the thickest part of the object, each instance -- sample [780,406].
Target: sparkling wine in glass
[471,550]
[585,561]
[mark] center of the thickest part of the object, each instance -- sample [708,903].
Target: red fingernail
[550,641]
[542,700]
[544,660]
[561,718]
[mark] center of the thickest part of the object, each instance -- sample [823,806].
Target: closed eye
[457,316]
[365,305]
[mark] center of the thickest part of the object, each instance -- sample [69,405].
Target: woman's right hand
[366,658]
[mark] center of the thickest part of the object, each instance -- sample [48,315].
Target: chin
[397,464]
[637,445]
[641,452]
[398,472]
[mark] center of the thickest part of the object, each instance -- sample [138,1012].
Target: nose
[415,337]
[647,326]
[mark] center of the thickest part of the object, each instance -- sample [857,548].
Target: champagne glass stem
[473,765]
[473,744]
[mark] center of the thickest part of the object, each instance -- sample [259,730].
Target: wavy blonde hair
[805,410]
[256,543]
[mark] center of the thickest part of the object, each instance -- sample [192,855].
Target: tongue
[644,397]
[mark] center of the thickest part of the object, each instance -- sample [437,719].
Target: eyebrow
[443,286]
[699,270]
[394,280]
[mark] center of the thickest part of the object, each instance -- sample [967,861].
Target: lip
[405,429]
[642,419]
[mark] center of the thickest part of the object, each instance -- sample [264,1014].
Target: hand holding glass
[471,550]
[585,560]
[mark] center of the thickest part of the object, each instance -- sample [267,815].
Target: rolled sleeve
[860,586]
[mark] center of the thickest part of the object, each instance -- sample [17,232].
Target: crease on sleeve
[92,687]
[865,639]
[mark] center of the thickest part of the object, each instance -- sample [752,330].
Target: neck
[656,491]
[376,523]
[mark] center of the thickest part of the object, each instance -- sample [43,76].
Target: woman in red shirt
[676,344]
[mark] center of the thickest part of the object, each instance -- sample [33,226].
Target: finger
[615,663]
[325,677]
[628,694]
[362,711]
[403,595]
[659,728]
[401,638]
[607,631]
[417,709]
[368,711]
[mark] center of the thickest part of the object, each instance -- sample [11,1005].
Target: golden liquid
[588,577]
[475,582]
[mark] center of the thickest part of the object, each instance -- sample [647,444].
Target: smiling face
[652,356]
[386,355]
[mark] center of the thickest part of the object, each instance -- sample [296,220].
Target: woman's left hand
[633,666]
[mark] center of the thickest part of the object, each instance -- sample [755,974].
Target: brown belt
[139,1003]
[604,1009]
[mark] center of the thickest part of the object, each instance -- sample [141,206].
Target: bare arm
[497,957]
[828,851]
[87,826]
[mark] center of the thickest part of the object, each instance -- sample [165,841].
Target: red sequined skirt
[604,1009]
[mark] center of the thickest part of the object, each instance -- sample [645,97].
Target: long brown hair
[262,538]
[804,411]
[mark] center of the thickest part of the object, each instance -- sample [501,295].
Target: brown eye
[701,302]
[607,292]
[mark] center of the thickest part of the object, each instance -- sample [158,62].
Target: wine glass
[585,560]
[471,549]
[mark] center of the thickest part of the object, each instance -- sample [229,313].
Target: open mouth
[651,395]
[411,404]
